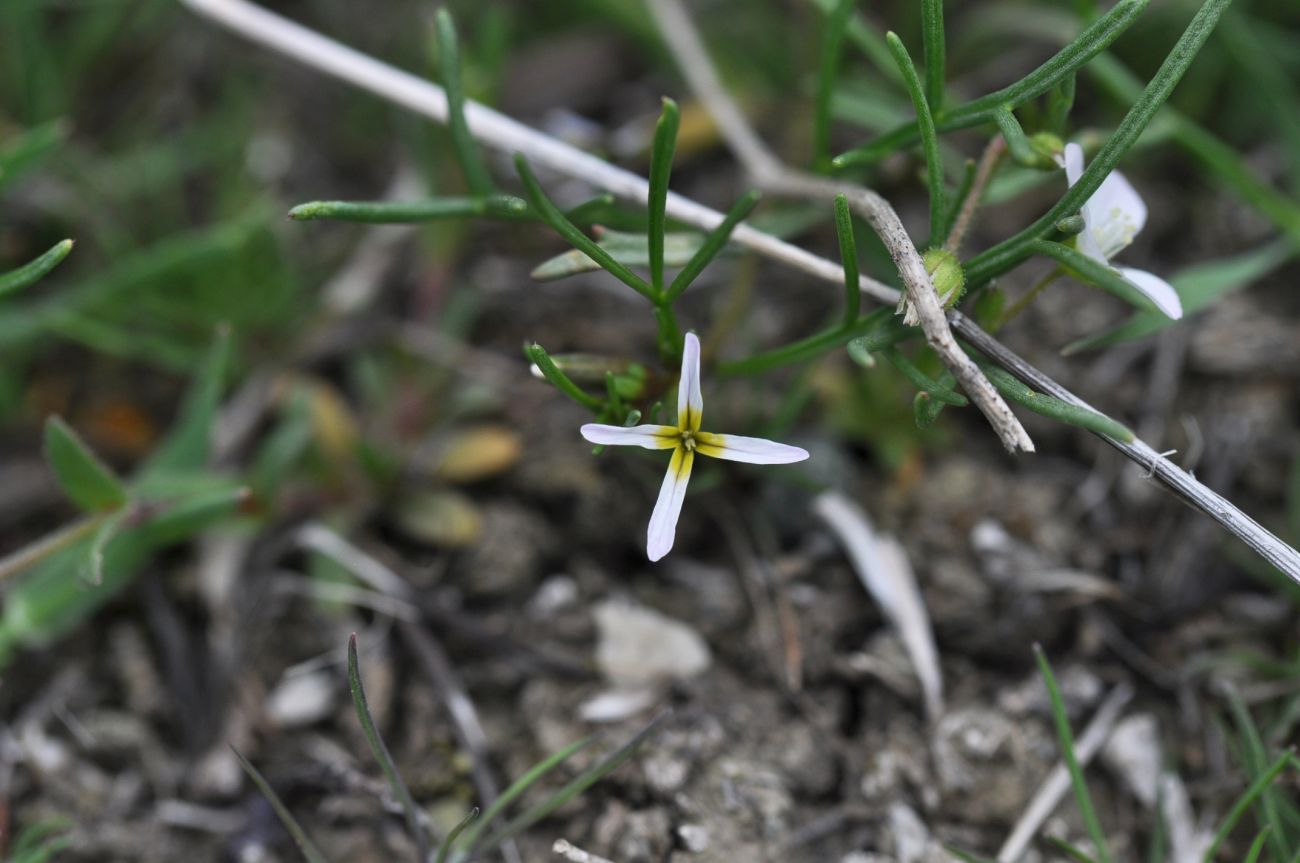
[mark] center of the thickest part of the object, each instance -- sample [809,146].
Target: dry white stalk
[767,171]
[574,854]
[332,58]
[883,568]
[1057,783]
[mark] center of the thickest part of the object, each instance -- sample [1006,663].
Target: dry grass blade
[300,837]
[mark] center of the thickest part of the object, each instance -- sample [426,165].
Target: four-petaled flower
[686,440]
[1112,217]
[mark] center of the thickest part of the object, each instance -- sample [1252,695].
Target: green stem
[848,259]
[1023,303]
[932,37]
[808,348]
[929,138]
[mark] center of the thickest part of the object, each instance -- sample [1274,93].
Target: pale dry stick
[402,88]
[770,174]
[574,854]
[1057,783]
[983,173]
[497,130]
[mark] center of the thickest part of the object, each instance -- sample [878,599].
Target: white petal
[1116,213]
[1073,163]
[690,404]
[663,522]
[752,450]
[1157,289]
[645,436]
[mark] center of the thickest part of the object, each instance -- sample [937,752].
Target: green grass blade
[34,271]
[1066,738]
[832,45]
[467,151]
[932,36]
[17,155]
[966,856]
[539,357]
[1260,786]
[1086,46]
[562,226]
[87,481]
[993,261]
[444,850]
[401,212]
[1257,847]
[577,786]
[1254,756]
[519,786]
[807,348]
[661,170]
[1074,852]
[380,750]
[848,259]
[713,245]
[300,837]
[919,379]
[929,138]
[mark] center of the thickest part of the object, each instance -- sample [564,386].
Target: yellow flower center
[688,440]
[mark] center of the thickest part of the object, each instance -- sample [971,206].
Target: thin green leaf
[1059,103]
[1072,851]
[29,148]
[190,440]
[1094,273]
[932,39]
[963,192]
[632,250]
[848,259]
[444,850]
[929,138]
[1066,738]
[661,169]
[1091,42]
[34,271]
[996,260]
[400,212]
[1262,783]
[86,480]
[1255,757]
[919,379]
[1050,406]
[832,45]
[300,837]
[573,789]
[467,151]
[107,532]
[869,40]
[806,349]
[1018,144]
[538,356]
[519,786]
[562,226]
[712,246]
[380,750]
[966,856]
[1257,847]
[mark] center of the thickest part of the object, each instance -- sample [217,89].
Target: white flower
[686,440]
[1112,217]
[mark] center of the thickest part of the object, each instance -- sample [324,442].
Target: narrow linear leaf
[467,151]
[848,259]
[1243,803]
[1257,847]
[401,212]
[812,346]
[300,837]
[632,250]
[562,226]
[929,137]
[833,32]
[1072,851]
[380,750]
[86,480]
[933,41]
[30,273]
[1066,739]
[1054,408]
[188,444]
[712,246]
[1095,274]
[540,358]
[444,850]
[932,388]
[661,169]
[1255,758]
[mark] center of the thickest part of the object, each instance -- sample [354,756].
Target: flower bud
[946,272]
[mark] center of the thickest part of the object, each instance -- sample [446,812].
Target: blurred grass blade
[580,241]
[300,837]
[1198,286]
[1074,852]
[713,244]
[380,750]
[833,31]
[848,259]
[190,440]
[1095,274]
[41,841]
[1091,42]
[632,250]
[22,153]
[540,358]
[519,786]
[868,39]
[34,271]
[933,41]
[965,856]
[1050,406]
[1255,757]
[1066,738]
[1001,257]
[401,212]
[929,137]
[577,786]
[807,348]
[467,151]
[107,532]
[86,480]
[1263,781]
[661,169]
[932,388]
[1257,847]
[444,850]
